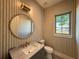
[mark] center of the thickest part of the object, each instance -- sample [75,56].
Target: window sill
[62,35]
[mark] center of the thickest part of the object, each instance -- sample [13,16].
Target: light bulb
[19,4]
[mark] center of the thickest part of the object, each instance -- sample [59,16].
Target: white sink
[32,49]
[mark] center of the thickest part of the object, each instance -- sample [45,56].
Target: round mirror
[21,26]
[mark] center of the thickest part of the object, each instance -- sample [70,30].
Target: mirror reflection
[21,26]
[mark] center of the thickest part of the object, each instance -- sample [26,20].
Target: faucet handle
[27,43]
[24,45]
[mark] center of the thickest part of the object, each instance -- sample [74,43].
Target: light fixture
[22,6]
[19,4]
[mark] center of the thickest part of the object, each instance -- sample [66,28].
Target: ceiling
[48,3]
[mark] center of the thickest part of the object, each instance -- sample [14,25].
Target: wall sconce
[22,6]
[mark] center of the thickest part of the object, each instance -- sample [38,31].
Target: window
[63,24]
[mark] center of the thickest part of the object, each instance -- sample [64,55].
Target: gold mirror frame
[20,22]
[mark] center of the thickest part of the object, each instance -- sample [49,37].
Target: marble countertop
[26,52]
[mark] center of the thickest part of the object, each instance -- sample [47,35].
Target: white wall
[61,44]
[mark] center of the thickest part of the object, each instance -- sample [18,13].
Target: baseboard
[62,55]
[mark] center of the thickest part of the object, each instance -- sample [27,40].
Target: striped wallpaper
[8,9]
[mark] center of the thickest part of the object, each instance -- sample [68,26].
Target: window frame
[70,30]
